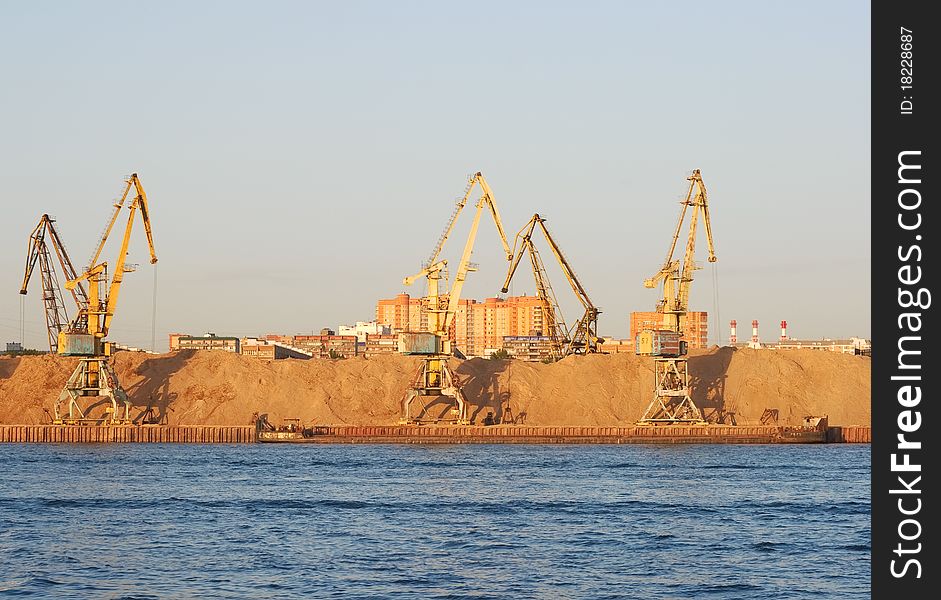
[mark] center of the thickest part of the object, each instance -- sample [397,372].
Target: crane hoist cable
[715,301]
[153,315]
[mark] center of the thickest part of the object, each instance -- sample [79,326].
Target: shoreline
[435,434]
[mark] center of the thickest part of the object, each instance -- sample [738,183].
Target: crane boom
[475,179]
[444,316]
[42,236]
[56,316]
[111,221]
[700,204]
[101,310]
[463,267]
[492,205]
[139,203]
[141,199]
[486,199]
[583,336]
[552,314]
[677,277]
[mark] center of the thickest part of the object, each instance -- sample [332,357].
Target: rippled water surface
[373,521]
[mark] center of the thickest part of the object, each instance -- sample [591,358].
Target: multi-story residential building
[528,347]
[478,328]
[402,313]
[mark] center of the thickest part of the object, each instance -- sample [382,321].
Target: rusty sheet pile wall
[500,433]
[716,434]
[195,434]
[677,434]
[850,435]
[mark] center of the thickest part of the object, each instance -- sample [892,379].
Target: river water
[464,521]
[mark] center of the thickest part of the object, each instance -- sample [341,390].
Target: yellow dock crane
[435,378]
[57,320]
[94,382]
[582,338]
[672,402]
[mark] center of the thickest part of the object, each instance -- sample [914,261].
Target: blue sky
[301,158]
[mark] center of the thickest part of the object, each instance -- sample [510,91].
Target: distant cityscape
[481,328]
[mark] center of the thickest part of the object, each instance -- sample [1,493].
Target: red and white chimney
[783,331]
[755,342]
[733,338]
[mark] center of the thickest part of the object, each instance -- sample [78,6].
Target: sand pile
[216,388]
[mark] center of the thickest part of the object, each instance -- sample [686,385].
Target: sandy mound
[216,388]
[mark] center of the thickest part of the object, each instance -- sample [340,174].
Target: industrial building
[272,346]
[380,344]
[175,340]
[853,345]
[696,333]
[845,346]
[273,351]
[210,341]
[327,346]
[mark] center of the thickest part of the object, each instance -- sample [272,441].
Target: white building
[363,328]
[852,345]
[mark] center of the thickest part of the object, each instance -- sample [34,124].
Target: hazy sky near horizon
[301,158]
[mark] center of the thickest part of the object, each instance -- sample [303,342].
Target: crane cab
[659,342]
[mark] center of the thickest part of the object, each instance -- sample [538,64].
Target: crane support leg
[92,396]
[671,402]
[434,384]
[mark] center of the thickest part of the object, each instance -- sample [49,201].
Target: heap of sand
[219,388]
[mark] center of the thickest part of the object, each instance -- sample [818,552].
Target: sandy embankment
[216,388]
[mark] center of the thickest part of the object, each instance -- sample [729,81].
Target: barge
[517,434]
